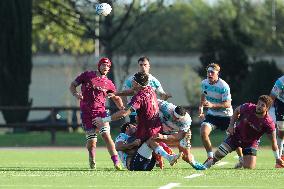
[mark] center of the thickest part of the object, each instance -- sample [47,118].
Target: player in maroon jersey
[247,125]
[94,89]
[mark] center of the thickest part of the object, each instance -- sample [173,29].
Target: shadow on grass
[56,169]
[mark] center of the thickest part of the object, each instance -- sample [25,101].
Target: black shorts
[221,123]
[140,163]
[279,110]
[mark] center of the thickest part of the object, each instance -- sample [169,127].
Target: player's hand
[230,130]
[201,116]
[98,122]
[79,96]
[280,162]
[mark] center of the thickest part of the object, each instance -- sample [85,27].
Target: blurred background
[45,44]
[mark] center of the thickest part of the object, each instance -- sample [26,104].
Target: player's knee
[204,130]
[92,143]
[222,151]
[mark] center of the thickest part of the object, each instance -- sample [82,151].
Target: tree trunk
[15,57]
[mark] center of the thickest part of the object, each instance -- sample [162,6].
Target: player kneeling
[248,123]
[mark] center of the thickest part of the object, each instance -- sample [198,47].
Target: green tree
[260,80]
[15,57]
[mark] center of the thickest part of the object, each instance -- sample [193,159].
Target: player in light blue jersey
[277,94]
[125,142]
[216,98]
[176,130]
[144,67]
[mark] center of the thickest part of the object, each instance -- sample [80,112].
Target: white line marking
[221,163]
[193,176]
[169,186]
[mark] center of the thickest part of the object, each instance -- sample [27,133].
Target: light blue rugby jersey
[217,93]
[122,137]
[166,116]
[153,82]
[278,89]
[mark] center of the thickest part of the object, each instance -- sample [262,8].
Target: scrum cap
[103,60]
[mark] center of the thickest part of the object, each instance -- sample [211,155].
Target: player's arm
[200,107]
[274,147]
[171,138]
[116,116]
[121,146]
[233,120]
[118,102]
[73,90]
[126,92]
[224,104]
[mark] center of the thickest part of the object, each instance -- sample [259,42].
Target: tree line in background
[228,32]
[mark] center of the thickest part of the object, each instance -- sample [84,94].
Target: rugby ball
[103,9]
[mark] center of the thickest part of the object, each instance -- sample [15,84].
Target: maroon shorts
[88,117]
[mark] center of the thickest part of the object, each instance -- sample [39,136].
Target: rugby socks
[160,151]
[210,154]
[114,159]
[280,146]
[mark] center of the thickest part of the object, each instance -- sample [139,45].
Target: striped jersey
[122,137]
[278,89]
[217,93]
[166,115]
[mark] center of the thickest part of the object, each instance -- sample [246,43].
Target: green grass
[68,168]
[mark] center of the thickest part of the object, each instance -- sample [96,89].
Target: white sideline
[193,176]
[169,186]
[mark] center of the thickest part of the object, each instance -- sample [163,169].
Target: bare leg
[91,147]
[205,130]
[249,161]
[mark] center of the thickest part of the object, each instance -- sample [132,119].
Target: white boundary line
[193,176]
[170,185]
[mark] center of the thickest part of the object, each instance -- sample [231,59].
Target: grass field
[68,168]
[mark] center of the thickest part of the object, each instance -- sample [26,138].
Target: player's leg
[91,147]
[160,151]
[205,131]
[280,137]
[249,158]
[224,149]
[279,115]
[105,133]
[241,158]
[142,159]
[91,142]
[184,147]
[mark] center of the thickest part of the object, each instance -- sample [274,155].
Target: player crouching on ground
[176,131]
[253,122]
[133,157]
